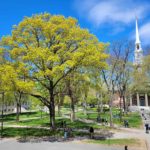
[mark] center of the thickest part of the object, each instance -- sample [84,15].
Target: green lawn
[24,115]
[34,132]
[133,118]
[44,122]
[34,119]
[22,132]
[129,142]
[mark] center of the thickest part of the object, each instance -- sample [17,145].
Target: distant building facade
[139,98]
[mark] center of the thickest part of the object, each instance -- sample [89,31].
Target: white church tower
[138,52]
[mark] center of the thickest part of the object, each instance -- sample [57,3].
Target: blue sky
[109,20]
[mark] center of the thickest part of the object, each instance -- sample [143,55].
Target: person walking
[126,147]
[91,130]
[147,127]
[65,133]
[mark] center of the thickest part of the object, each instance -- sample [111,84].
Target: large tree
[51,47]
[117,76]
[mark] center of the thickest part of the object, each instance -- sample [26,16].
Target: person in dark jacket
[147,127]
[91,130]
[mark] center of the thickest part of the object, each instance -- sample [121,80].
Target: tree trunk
[101,107]
[98,108]
[72,116]
[2,113]
[18,106]
[120,109]
[85,104]
[124,103]
[52,106]
[59,104]
[85,108]
[72,110]
[110,110]
[41,113]
[17,112]
[124,100]
[52,114]
[59,108]
[6,107]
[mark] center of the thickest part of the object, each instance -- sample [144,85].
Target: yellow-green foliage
[10,79]
[67,100]
[47,48]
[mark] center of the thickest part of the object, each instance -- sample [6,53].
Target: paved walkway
[12,144]
[145,114]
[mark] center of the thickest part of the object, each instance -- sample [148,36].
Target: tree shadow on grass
[51,139]
[35,135]
[103,135]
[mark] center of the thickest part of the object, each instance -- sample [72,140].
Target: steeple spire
[137,33]
[138,53]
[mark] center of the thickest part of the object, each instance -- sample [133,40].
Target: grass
[34,132]
[44,122]
[23,132]
[120,142]
[133,118]
[78,124]
[32,122]
[33,119]
[24,115]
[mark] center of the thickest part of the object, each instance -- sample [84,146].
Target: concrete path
[145,114]
[13,144]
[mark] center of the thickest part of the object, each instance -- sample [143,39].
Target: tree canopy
[48,48]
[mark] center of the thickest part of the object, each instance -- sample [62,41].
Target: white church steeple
[138,53]
[137,33]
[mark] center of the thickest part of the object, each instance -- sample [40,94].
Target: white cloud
[111,11]
[145,34]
